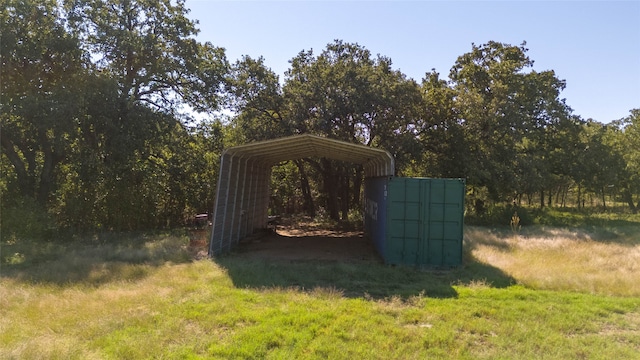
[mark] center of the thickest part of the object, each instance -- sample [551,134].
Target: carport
[242,195]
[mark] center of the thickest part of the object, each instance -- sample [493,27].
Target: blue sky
[593,45]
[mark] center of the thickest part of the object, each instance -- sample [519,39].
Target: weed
[515,224]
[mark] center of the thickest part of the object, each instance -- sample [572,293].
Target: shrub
[25,219]
[500,215]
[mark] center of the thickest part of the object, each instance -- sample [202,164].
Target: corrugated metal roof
[242,195]
[376,162]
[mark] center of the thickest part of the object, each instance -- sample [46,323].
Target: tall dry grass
[582,260]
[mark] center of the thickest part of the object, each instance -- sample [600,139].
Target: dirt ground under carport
[297,240]
[305,241]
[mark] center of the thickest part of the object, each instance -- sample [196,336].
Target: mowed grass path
[536,294]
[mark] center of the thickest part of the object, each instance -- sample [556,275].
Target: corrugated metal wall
[241,202]
[242,194]
[413,221]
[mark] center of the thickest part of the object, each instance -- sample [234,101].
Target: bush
[500,215]
[25,219]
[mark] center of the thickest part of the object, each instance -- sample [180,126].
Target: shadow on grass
[612,226]
[92,261]
[366,277]
[624,234]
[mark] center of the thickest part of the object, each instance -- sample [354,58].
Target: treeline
[112,118]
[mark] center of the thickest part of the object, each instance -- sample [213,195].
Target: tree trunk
[628,198]
[47,176]
[330,189]
[541,199]
[579,194]
[604,201]
[357,187]
[345,194]
[307,199]
[26,183]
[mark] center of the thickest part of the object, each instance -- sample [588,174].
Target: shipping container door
[444,222]
[453,226]
[405,221]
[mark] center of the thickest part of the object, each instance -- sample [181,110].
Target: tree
[344,93]
[93,100]
[256,96]
[600,165]
[626,141]
[558,152]
[507,115]
[41,87]
[149,48]
[442,135]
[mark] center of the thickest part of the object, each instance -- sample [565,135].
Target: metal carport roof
[377,162]
[242,195]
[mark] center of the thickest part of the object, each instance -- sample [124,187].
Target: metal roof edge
[377,162]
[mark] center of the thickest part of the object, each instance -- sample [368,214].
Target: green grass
[143,297]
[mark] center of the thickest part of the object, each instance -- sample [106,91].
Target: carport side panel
[220,208]
[227,238]
[236,204]
[256,212]
[249,200]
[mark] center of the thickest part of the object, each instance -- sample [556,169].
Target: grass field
[537,293]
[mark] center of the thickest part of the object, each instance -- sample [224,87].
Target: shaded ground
[306,241]
[308,256]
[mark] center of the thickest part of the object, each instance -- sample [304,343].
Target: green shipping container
[424,222]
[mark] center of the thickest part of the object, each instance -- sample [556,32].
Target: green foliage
[41,89]
[256,95]
[285,193]
[501,215]
[23,219]
[99,140]
[345,93]
[149,48]
[504,108]
[588,218]
[625,141]
[97,127]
